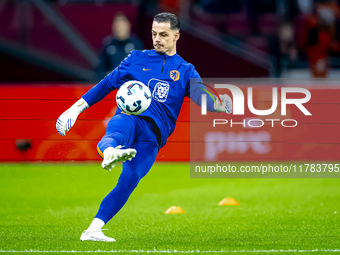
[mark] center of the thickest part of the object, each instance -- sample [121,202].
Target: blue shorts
[126,130]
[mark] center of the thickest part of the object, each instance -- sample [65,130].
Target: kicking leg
[113,156]
[114,147]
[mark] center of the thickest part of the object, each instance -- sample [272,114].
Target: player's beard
[159,50]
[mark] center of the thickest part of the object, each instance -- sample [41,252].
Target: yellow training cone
[229,201]
[174,210]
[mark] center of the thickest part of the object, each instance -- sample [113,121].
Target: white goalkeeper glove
[226,106]
[69,117]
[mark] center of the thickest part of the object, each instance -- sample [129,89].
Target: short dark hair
[165,17]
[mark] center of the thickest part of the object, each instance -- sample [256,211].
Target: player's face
[164,39]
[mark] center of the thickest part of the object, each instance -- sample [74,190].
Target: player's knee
[130,182]
[134,180]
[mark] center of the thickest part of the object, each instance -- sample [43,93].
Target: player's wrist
[218,107]
[80,106]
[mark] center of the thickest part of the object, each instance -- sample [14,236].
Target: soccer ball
[133,97]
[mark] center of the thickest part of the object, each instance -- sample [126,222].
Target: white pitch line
[167,251]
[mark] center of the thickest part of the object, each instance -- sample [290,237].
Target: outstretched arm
[111,82]
[197,88]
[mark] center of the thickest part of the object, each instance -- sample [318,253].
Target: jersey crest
[174,74]
[161,90]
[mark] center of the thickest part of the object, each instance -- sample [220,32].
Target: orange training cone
[229,201]
[174,210]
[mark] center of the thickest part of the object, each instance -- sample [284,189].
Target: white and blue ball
[133,97]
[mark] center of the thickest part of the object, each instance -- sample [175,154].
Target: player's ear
[177,35]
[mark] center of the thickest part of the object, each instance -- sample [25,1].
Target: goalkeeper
[135,140]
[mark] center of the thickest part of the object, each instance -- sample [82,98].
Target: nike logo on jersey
[146,69]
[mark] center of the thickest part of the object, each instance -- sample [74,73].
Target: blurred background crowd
[83,40]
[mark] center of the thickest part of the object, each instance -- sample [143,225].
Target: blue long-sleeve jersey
[168,78]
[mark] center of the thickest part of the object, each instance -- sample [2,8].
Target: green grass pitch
[45,207]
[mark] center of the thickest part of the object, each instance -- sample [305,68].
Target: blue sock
[133,172]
